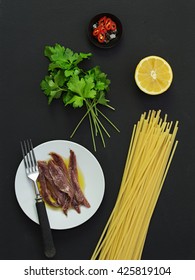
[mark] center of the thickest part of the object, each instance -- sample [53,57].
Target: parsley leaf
[76,101]
[51,89]
[63,58]
[76,84]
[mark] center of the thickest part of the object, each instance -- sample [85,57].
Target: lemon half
[153,75]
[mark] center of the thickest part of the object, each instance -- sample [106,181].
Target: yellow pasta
[150,153]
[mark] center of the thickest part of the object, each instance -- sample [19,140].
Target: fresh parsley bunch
[77,87]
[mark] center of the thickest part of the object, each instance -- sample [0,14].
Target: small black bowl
[112,42]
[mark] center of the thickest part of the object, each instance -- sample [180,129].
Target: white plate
[94,184]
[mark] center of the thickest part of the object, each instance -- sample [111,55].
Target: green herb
[77,87]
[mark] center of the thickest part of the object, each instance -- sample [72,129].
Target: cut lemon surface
[153,75]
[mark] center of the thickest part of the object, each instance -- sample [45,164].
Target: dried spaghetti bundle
[151,150]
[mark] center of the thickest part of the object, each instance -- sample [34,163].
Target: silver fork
[32,172]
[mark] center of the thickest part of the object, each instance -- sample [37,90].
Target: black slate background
[164,28]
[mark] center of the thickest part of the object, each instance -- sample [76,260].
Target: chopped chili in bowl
[104,30]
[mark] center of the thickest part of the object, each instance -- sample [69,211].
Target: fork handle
[49,248]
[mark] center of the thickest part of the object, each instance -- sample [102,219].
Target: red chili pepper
[96,31]
[113,26]
[102,20]
[108,20]
[108,23]
[101,37]
[103,29]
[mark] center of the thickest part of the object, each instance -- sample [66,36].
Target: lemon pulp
[153,75]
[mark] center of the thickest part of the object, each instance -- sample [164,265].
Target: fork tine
[33,155]
[29,155]
[30,162]
[26,149]
[24,153]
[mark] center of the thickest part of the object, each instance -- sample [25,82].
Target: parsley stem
[101,135]
[103,127]
[91,106]
[92,133]
[110,107]
[97,123]
[94,121]
[80,123]
[108,120]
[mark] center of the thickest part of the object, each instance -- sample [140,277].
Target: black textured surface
[164,28]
